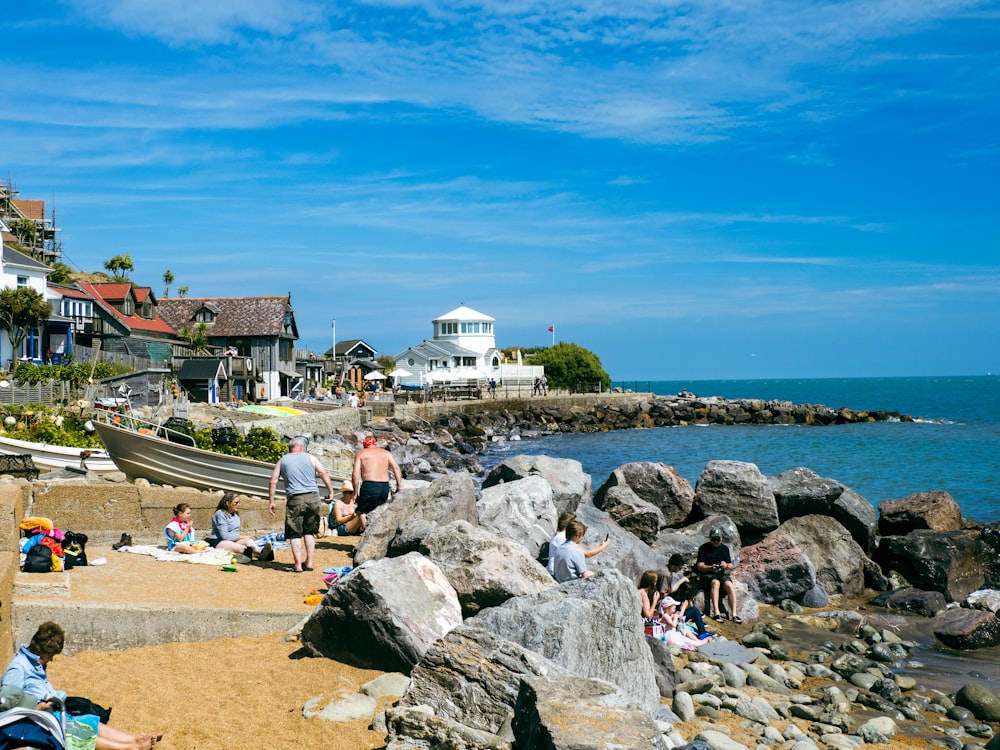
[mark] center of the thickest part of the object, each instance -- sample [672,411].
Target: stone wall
[10,519]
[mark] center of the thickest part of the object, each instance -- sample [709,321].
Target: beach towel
[276,539]
[210,556]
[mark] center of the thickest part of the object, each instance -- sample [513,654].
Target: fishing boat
[161,455]
[49,457]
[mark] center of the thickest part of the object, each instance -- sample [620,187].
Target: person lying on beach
[180,532]
[227,534]
[27,673]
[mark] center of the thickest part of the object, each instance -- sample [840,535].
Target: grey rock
[683,706]
[686,541]
[343,706]
[801,491]
[740,491]
[390,683]
[663,666]
[384,614]
[988,599]
[650,483]
[565,624]
[472,676]
[815,598]
[626,553]
[858,516]
[484,568]
[415,729]
[571,486]
[719,741]
[733,675]
[980,700]
[553,714]
[521,511]
[878,730]
[837,558]
[634,514]
[398,526]
[913,600]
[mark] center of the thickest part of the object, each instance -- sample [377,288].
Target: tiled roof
[13,257]
[69,291]
[113,291]
[142,293]
[134,322]
[31,209]
[237,316]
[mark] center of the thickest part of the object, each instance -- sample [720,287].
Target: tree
[197,337]
[182,292]
[22,310]
[168,279]
[61,273]
[571,366]
[119,266]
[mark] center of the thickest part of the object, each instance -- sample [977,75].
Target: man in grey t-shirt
[570,563]
[302,502]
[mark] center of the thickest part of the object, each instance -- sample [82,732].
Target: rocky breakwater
[449,590]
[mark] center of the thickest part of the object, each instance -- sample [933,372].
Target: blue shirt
[26,673]
[225,526]
[570,563]
[299,473]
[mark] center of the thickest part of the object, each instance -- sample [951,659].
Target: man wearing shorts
[302,501]
[371,475]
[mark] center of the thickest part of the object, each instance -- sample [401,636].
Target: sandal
[736,620]
[718,618]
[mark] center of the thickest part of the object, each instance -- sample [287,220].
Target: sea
[953,444]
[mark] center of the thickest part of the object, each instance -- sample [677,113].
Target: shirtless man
[371,475]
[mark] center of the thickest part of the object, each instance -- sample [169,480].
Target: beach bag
[75,549]
[81,732]
[38,559]
[76,706]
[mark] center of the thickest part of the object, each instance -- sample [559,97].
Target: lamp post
[333,351]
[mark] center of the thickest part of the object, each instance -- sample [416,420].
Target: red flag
[552,329]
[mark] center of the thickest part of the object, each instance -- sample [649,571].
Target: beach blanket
[276,539]
[210,556]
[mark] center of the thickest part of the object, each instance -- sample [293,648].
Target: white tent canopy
[400,373]
[374,375]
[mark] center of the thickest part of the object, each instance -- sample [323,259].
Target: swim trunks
[372,495]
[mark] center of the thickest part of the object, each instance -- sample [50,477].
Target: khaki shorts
[302,514]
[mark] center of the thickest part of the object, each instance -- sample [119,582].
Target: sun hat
[669,601]
[347,486]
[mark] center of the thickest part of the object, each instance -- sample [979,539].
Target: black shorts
[302,514]
[372,495]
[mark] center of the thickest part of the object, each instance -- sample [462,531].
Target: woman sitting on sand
[226,531]
[180,532]
[26,672]
[649,594]
[344,516]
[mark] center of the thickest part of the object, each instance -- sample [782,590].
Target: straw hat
[347,486]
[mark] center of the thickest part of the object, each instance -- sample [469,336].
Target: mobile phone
[607,536]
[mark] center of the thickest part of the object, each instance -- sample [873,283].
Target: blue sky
[691,190]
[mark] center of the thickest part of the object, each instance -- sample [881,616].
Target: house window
[204,316]
[468,362]
[285,350]
[410,361]
[22,281]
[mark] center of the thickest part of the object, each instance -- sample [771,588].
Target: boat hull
[57,457]
[159,461]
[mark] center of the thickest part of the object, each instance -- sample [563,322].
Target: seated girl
[180,532]
[674,630]
[649,594]
[344,516]
[227,534]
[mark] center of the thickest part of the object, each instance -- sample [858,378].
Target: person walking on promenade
[371,475]
[537,389]
[713,566]
[545,386]
[302,502]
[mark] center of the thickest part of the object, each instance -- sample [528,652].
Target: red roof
[104,293]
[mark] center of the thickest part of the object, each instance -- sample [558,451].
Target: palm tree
[182,292]
[168,279]
[197,337]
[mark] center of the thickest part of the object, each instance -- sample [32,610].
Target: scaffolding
[30,231]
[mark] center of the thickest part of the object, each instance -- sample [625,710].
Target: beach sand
[242,691]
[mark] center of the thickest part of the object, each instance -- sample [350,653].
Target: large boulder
[626,553]
[634,514]
[686,541]
[398,527]
[740,491]
[967,628]
[485,569]
[568,713]
[858,516]
[934,511]
[654,483]
[416,728]
[952,562]
[592,626]
[837,558]
[384,615]
[521,511]
[571,486]
[663,666]
[801,492]
[984,703]
[913,600]
[472,676]
[775,569]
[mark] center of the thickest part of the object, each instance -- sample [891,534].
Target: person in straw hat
[344,516]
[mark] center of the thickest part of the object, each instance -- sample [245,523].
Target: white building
[18,270]
[463,349]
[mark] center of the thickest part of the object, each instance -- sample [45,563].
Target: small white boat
[164,456]
[57,457]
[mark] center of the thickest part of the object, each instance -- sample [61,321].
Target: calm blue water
[957,448]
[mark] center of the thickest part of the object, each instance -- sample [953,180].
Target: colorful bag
[38,559]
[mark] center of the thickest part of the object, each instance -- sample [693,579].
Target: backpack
[75,548]
[38,559]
